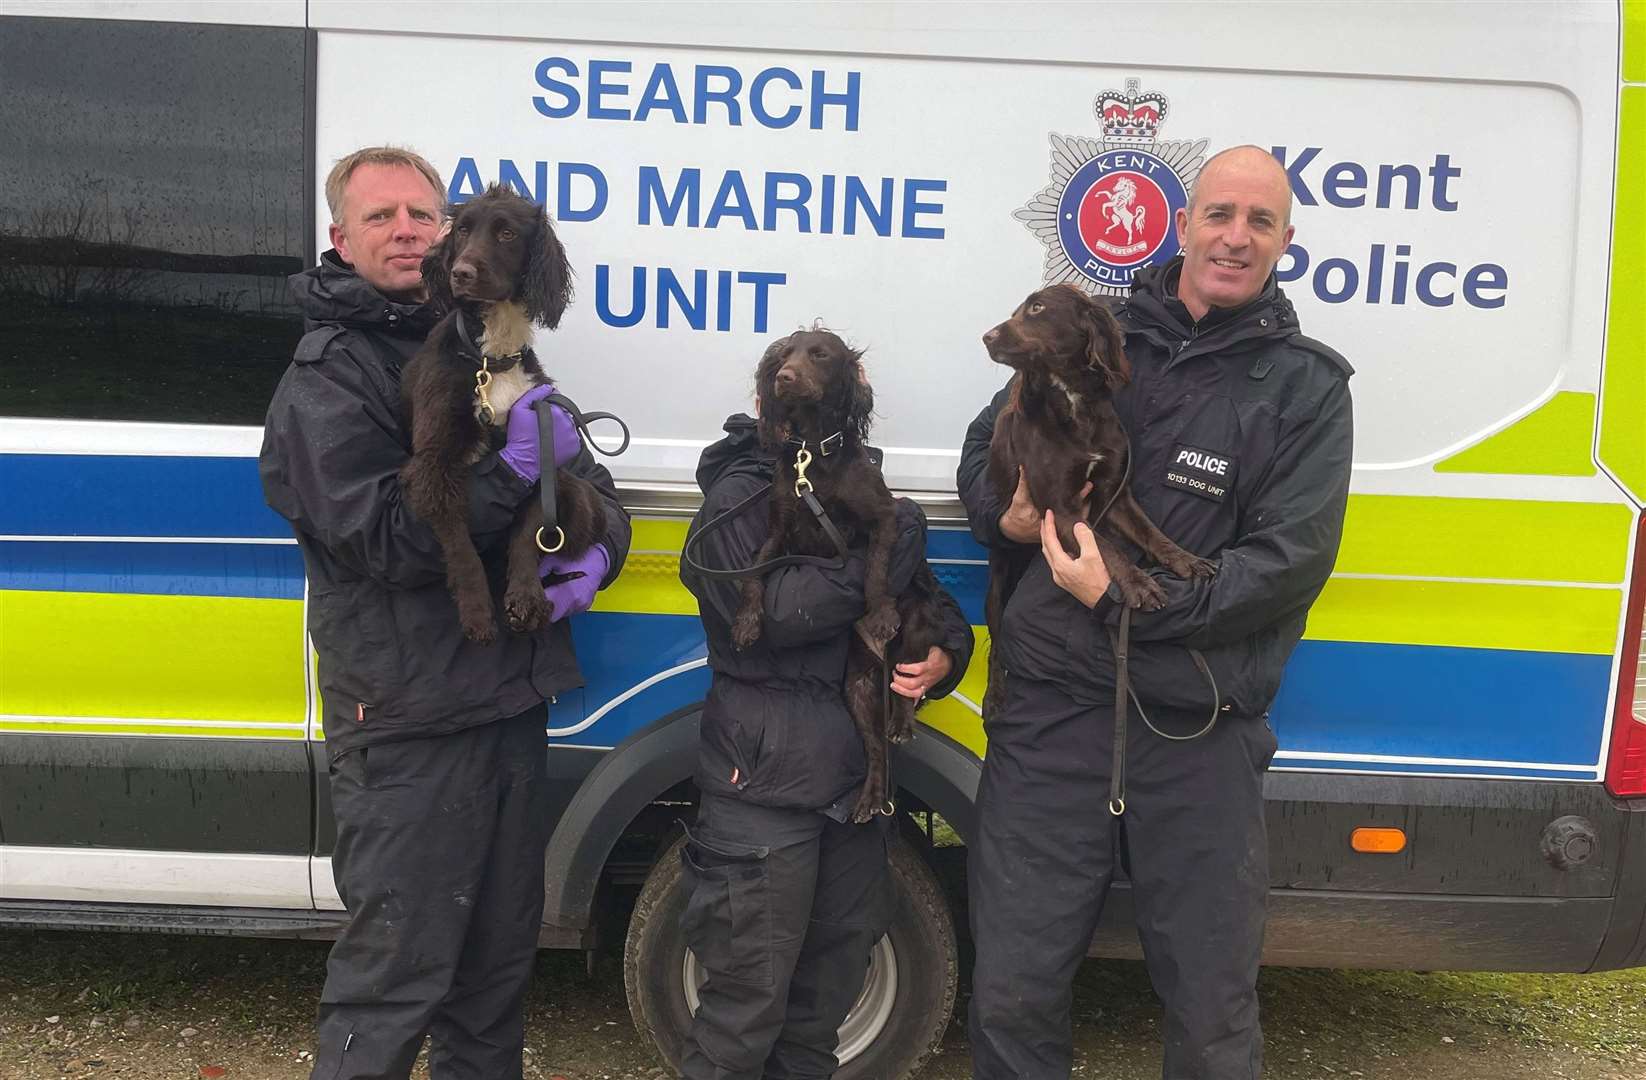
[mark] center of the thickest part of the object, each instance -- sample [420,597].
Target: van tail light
[1626,764]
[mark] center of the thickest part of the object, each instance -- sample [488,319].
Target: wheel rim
[869,1013]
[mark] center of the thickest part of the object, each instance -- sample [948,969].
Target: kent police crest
[1110,208]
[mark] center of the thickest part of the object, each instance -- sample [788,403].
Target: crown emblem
[1107,213]
[1130,115]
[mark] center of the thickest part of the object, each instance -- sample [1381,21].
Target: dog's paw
[746,628]
[868,804]
[1186,566]
[900,719]
[1141,591]
[880,625]
[480,631]
[527,609]
[475,615]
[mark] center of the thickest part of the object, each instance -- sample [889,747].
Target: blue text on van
[776,97]
[1384,276]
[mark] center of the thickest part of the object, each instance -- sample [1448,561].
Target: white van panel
[1534,41]
[1512,178]
[237,12]
[214,879]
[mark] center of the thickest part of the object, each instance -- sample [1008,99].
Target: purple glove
[521,450]
[573,580]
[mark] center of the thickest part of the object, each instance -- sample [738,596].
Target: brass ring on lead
[558,544]
[1117,807]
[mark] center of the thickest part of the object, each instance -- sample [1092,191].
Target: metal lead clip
[482,381]
[802,458]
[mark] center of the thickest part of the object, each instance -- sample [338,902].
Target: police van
[1461,780]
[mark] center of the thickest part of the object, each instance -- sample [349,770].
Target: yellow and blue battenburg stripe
[1467,636]
[1621,446]
[158,596]
[1461,636]
[147,596]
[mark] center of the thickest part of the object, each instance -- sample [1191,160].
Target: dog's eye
[462,230]
[505,234]
[1036,308]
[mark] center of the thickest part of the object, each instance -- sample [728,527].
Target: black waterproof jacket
[1241,433]
[394,663]
[775,727]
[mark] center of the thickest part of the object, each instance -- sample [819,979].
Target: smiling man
[1234,230]
[1241,435]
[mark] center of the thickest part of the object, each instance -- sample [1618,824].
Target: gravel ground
[148,1007]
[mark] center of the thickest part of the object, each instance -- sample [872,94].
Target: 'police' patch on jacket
[1207,473]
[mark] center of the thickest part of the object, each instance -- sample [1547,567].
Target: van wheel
[897,1020]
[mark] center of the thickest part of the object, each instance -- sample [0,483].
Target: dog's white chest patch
[507,330]
[1073,396]
[505,390]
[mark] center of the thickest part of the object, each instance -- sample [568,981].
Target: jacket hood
[333,292]
[739,451]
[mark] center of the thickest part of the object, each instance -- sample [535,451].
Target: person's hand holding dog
[1021,521]
[572,580]
[521,450]
[1086,578]
[916,680]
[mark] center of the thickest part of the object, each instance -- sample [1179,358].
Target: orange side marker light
[1378,841]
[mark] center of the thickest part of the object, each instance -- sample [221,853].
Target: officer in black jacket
[788,897]
[1241,436]
[436,744]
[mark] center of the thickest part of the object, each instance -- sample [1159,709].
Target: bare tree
[111,281]
[74,248]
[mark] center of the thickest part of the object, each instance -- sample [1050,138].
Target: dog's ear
[436,268]
[1105,347]
[547,287]
[857,411]
[772,423]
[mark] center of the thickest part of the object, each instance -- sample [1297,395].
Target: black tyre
[897,1020]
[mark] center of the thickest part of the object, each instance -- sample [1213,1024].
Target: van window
[152,205]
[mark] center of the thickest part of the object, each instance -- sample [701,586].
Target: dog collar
[494,363]
[504,363]
[833,444]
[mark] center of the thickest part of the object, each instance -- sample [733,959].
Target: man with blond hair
[1241,433]
[436,744]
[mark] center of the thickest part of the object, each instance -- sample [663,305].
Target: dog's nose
[992,336]
[786,377]
[463,274]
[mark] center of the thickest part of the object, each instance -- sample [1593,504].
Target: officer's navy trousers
[439,860]
[1193,843]
[784,909]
